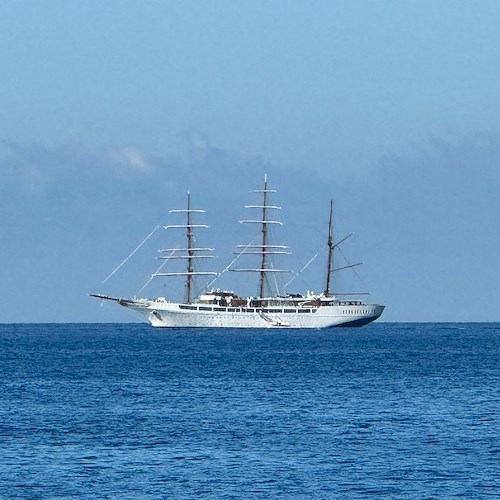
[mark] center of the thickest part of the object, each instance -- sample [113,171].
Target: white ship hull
[174,315]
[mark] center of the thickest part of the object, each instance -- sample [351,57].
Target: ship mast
[264,249]
[189,235]
[263,266]
[190,253]
[331,246]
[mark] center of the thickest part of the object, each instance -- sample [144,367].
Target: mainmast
[264,249]
[190,253]
[331,246]
[263,266]
[189,235]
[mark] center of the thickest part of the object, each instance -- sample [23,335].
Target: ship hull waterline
[175,315]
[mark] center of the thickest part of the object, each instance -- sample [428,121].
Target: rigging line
[137,248]
[353,269]
[157,271]
[342,241]
[300,272]
[271,266]
[228,266]
[276,282]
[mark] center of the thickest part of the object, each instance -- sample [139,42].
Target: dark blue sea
[128,411]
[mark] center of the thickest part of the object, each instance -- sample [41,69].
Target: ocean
[389,410]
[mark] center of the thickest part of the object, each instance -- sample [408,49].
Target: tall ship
[219,308]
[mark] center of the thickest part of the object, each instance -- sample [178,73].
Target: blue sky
[111,111]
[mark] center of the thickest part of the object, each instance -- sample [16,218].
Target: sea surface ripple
[128,411]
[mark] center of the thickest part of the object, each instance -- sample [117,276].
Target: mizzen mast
[331,246]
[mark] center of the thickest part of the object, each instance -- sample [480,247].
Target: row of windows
[246,309]
[360,312]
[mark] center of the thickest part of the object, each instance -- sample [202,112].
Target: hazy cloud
[126,159]
[35,167]
[18,166]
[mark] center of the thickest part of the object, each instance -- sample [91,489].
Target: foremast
[191,253]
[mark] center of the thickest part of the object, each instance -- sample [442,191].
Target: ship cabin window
[204,308]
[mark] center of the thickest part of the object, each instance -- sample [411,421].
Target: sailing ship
[216,308]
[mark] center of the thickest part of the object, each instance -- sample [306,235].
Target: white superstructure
[225,309]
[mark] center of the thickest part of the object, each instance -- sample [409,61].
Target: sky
[111,111]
